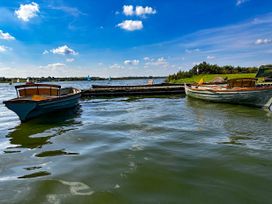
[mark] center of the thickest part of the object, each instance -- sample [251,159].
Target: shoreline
[69,79]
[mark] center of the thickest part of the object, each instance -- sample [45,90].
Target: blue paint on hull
[22,109]
[27,110]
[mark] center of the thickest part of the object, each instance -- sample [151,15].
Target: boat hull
[257,98]
[27,109]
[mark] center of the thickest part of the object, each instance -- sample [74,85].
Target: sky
[120,38]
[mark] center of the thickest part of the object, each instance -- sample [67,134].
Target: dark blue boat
[36,99]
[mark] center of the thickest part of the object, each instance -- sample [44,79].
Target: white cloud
[157,62]
[161,61]
[239,2]
[196,63]
[63,50]
[146,58]
[69,10]
[128,10]
[141,11]
[6,36]
[131,25]
[3,48]
[210,57]
[192,50]
[45,52]
[5,69]
[131,62]
[70,59]
[57,69]
[53,66]
[27,11]
[263,41]
[116,66]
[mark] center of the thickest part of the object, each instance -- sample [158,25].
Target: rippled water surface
[137,150]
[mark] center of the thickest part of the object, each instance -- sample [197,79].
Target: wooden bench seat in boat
[242,83]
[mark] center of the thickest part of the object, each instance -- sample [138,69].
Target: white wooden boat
[237,91]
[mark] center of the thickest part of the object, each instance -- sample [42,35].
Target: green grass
[210,77]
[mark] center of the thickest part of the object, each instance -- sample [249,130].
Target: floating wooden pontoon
[136,90]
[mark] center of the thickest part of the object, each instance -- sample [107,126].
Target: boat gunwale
[37,85]
[233,90]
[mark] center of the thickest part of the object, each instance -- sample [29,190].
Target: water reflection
[55,153]
[137,98]
[37,132]
[236,124]
[36,174]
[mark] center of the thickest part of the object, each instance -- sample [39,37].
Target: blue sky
[131,37]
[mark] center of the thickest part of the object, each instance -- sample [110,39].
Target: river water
[137,150]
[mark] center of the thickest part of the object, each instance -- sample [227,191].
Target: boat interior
[39,92]
[68,90]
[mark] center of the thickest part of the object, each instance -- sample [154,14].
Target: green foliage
[206,68]
[210,77]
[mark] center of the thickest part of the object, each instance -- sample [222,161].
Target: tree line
[206,68]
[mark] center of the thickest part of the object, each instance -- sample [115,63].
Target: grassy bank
[210,77]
